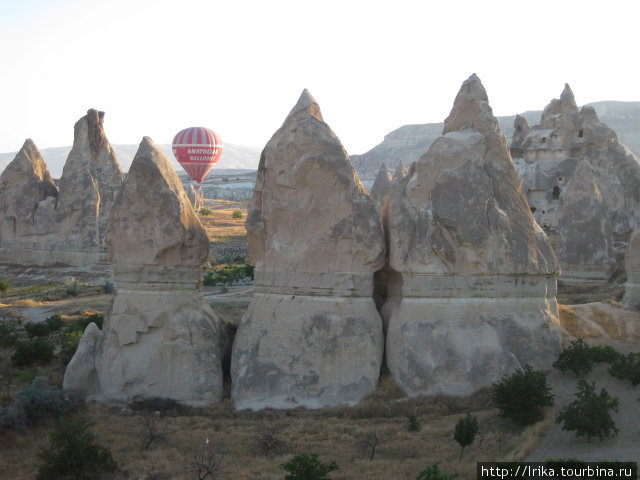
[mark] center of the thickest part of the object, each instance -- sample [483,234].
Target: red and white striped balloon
[197,149]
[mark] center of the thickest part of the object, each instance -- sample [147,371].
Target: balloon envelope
[197,149]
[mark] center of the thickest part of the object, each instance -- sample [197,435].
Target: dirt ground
[598,323]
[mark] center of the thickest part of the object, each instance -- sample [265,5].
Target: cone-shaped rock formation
[26,189]
[312,335]
[583,187]
[472,285]
[160,338]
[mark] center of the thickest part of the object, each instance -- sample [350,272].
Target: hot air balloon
[197,149]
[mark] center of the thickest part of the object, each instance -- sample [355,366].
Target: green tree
[465,432]
[413,424]
[307,467]
[627,368]
[237,214]
[522,395]
[590,414]
[73,454]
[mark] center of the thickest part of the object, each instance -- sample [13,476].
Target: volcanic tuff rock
[65,225]
[632,294]
[312,335]
[90,181]
[583,187]
[26,186]
[380,188]
[472,284]
[160,338]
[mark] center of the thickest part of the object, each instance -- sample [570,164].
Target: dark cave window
[533,209]
[581,133]
[556,193]
[544,139]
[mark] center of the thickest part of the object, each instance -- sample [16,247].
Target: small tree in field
[522,395]
[73,454]
[307,467]
[465,432]
[590,414]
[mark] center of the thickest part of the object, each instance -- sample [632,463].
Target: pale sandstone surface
[472,282]
[312,336]
[67,225]
[26,187]
[583,187]
[631,298]
[160,338]
[380,188]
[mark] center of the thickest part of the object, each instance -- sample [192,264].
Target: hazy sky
[238,67]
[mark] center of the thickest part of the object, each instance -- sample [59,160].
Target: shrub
[54,322]
[590,414]
[576,357]
[307,467]
[70,342]
[35,403]
[465,431]
[605,354]
[627,368]
[205,211]
[81,324]
[521,396]
[72,287]
[4,286]
[229,274]
[579,357]
[237,214]
[38,351]
[206,463]
[413,425]
[8,334]
[40,329]
[73,453]
[269,444]
[433,473]
[109,286]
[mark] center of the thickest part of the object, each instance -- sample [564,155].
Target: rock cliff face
[583,188]
[472,281]
[160,338]
[632,292]
[68,224]
[312,335]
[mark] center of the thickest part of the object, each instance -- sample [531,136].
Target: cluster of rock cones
[442,270]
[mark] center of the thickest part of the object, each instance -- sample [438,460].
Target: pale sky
[238,67]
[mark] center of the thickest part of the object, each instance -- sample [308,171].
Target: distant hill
[234,157]
[409,142]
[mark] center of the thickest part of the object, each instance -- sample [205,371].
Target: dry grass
[220,224]
[334,434]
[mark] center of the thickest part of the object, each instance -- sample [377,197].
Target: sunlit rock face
[632,288]
[312,335]
[160,338]
[583,188]
[472,276]
[65,225]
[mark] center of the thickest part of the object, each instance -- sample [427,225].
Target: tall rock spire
[312,335]
[459,227]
